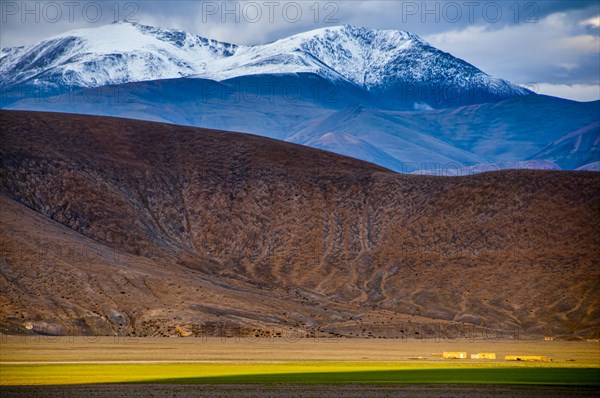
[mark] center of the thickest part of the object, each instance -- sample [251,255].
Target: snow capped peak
[116,53]
[131,36]
[122,52]
[357,55]
[359,32]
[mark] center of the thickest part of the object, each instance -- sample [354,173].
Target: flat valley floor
[44,366]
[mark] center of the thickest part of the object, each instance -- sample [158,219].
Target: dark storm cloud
[252,22]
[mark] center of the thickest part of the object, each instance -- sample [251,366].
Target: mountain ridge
[188,227]
[468,137]
[375,60]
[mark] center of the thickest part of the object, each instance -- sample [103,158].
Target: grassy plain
[77,360]
[299,372]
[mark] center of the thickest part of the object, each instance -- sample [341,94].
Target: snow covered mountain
[382,61]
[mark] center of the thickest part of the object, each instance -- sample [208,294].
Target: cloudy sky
[552,47]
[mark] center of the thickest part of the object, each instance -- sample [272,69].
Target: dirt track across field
[281,391]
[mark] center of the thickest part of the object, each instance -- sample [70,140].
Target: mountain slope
[191,227]
[396,63]
[400,148]
[576,149]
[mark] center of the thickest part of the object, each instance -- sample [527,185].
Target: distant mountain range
[387,97]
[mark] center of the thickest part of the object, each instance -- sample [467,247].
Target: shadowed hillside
[131,227]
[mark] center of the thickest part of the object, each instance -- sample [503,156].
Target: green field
[109,361]
[298,372]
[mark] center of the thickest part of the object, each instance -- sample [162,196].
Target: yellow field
[46,361]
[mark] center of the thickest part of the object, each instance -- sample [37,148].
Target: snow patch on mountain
[594,166]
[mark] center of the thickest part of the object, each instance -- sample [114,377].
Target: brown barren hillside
[119,226]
